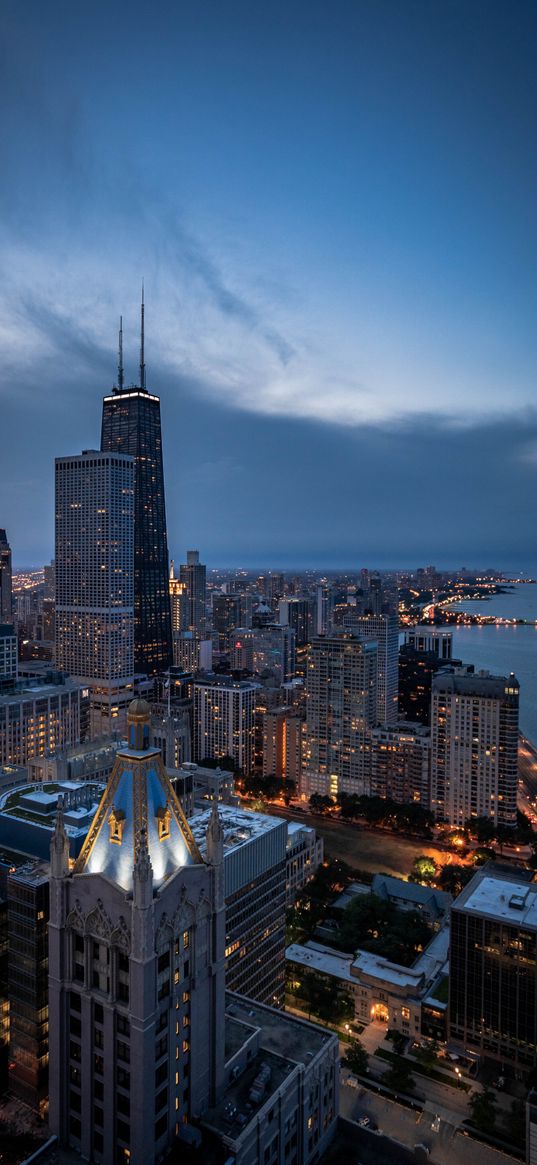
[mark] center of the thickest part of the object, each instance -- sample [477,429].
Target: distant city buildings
[474,746]
[95,580]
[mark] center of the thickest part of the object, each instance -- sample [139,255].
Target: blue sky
[333,208]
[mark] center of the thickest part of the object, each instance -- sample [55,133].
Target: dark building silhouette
[416,671]
[131,424]
[493,968]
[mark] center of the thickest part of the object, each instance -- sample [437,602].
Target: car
[436,1124]
[499,1083]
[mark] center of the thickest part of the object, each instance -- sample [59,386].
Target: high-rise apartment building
[6,597]
[224,720]
[282,744]
[493,968]
[436,640]
[474,750]
[95,580]
[136,967]
[131,425]
[385,630]
[324,605]
[194,575]
[341,708]
[401,763]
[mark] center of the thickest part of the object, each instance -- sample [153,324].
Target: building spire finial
[120,370]
[142,339]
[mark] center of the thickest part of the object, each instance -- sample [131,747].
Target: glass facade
[131,424]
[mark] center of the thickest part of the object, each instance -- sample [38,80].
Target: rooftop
[240,826]
[503,895]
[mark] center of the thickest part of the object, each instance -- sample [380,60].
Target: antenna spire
[142,352]
[120,370]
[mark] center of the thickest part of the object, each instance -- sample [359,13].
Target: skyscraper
[94,580]
[341,707]
[179,602]
[194,575]
[136,967]
[131,424]
[385,629]
[6,601]
[474,752]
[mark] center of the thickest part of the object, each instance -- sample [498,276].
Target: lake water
[505,649]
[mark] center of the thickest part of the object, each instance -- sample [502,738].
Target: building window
[163,816]
[116,823]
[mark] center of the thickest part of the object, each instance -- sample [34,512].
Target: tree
[356,1058]
[399,1076]
[423,870]
[324,998]
[320,804]
[453,878]
[483,1109]
[398,1040]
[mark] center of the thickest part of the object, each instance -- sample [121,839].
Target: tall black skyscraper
[131,424]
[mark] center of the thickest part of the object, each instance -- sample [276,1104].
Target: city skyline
[333,217]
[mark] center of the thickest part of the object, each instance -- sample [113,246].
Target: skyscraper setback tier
[131,424]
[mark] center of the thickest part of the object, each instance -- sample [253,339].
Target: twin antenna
[120,368]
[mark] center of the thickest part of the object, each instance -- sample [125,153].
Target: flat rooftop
[284,1041]
[501,897]
[316,957]
[240,826]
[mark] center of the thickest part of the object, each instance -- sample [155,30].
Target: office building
[493,968]
[474,746]
[274,653]
[8,655]
[434,640]
[283,733]
[241,649]
[94,580]
[255,896]
[40,716]
[416,671]
[282,1088]
[385,630]
[194,576]
[374,598]
[6,595]
[89,761]
[136,967]
[224,720]
[341,707]
[131,425]
[28,914]
[179,602]
[401,763]
[297,613]
[227,615]
[275,588]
